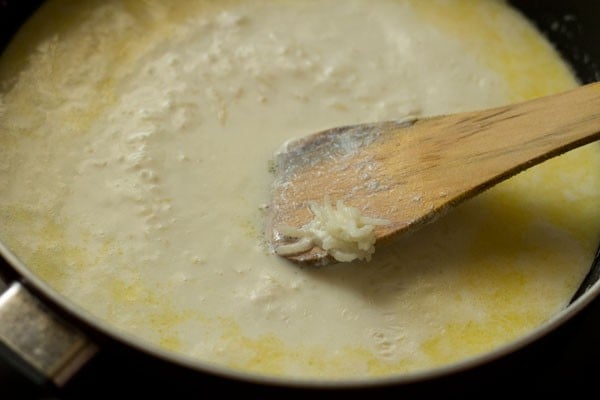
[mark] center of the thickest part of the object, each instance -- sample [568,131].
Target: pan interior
[134,182]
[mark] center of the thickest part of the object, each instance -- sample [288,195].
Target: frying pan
[55,344]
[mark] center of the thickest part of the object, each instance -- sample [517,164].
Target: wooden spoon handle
[458,156]
[509,139]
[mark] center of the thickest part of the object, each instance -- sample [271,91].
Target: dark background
[566,361]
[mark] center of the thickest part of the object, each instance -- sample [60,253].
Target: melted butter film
[133,182]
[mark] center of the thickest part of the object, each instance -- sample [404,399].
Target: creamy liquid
[134,149]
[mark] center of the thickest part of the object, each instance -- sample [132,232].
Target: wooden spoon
[410,171]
